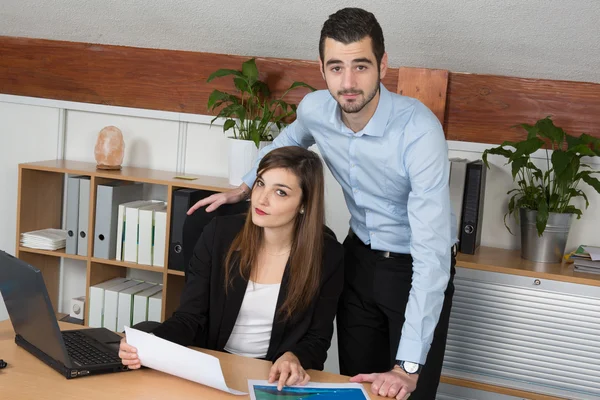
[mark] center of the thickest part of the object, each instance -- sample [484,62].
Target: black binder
[472,212]
[181,201]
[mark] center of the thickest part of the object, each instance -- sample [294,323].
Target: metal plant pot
[550,247]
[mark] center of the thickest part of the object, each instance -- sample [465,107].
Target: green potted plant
[251,114]
[542,200]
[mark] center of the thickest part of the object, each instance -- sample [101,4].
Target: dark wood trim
[479,108]
[483,108]
[154,79]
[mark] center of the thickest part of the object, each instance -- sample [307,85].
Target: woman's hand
[128,355]
[288,371]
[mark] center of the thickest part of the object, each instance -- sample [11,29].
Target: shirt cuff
[413,351]
[249,179]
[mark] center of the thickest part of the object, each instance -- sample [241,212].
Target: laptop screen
[29,307]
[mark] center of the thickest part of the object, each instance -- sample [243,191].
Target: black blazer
[206,316]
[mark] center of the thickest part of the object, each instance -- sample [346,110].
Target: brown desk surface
[26,377]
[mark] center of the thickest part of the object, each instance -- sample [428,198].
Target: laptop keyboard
[82,351]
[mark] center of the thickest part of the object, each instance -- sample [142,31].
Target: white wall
[28,133]
[187,143]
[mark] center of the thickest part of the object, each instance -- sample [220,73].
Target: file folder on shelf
[84,211]
[160,238]
[108,198]
[140,304]
[131,240]
[146,231]
[182,200]
[96,313]
[72,220]
[121,224]
[155,307]
[125,313]
[111,303]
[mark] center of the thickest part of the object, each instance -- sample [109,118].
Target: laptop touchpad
[103,335]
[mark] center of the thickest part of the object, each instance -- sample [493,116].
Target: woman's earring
[302,210]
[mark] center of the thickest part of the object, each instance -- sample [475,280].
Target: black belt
[387,254]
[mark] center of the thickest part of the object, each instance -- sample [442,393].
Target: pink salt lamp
[110,148]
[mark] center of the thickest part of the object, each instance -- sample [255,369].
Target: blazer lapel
[279,322]
[233,303]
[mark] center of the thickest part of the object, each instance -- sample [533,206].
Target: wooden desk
[26,377]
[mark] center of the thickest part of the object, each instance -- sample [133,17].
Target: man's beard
[354,107]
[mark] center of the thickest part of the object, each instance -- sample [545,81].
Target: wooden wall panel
[155,79]
[482,108]
[479,108]
[427,85]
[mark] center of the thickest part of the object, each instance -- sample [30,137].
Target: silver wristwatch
[409,367]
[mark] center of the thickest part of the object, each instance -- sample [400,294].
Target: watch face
[410,367]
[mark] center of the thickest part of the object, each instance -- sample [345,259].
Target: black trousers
[371,315]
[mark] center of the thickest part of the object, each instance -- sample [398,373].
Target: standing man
[389,154]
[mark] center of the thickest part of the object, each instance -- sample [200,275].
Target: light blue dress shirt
[394,175]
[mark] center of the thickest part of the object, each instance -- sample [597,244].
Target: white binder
[96,312]
[125,313]
[121,222]
[146,231]
[155,307]
[111,303]
[140,304]
[160,238]
[131,241]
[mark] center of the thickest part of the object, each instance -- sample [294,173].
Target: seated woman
[265,285]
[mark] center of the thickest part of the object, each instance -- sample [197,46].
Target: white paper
[169,357]
[354,390]
[593,251]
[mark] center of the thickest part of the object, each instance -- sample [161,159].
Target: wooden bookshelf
[40,203]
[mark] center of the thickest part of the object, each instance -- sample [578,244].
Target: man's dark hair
[350,25]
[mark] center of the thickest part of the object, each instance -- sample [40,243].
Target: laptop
[73,353]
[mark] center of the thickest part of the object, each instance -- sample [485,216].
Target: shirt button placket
[352,160]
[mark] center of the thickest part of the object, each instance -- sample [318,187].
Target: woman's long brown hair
[306,255]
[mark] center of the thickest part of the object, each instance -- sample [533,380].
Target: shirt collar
[378,122]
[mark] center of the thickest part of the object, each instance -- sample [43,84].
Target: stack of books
[45,239]
[586,259]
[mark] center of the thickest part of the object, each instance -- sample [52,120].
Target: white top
[251,334]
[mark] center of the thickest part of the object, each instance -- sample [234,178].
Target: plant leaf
[526,148]
[250,71]
[230,123]
[297,84]
[542,216]
[582,149]
[579,193]
[590,180]
[496,151]
[241,84]
[560,161]
[261,88]
[223,72]
[518,164]
[591,140]
[547,129]
[573,210]
[217,97]
[532,130]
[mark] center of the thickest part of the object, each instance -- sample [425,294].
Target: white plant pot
[242,155]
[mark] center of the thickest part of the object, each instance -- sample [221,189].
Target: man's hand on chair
[216,200]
